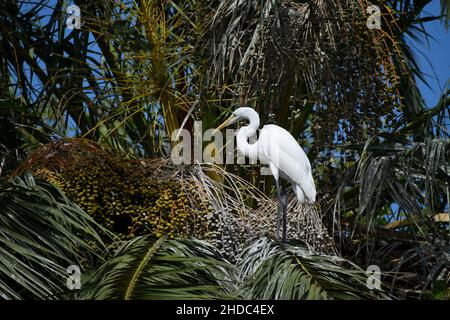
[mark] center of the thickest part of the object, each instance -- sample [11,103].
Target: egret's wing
[280,148]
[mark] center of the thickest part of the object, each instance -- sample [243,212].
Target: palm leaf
[42,233]
[271,270]
[415,178]
[150,268]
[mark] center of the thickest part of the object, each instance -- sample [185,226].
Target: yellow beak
[225,124]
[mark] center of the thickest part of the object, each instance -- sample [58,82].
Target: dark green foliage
[271,270]
[149,268]
[42,233]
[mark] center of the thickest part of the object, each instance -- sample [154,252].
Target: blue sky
[438,54]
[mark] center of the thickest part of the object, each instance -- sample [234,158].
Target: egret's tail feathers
[306,193]
[300,194]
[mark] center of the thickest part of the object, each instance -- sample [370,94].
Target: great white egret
[278,149]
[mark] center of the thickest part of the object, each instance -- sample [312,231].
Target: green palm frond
[271,270]
[149,268]
[42,233]
[415,176]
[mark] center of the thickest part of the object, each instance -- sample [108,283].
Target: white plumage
[277,148]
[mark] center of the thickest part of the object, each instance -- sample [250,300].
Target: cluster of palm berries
[125,200]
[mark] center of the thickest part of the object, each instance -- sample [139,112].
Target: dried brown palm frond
[186,200]
[239,223]
[304,223]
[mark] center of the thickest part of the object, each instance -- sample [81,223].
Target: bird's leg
[284,207]
[280,209]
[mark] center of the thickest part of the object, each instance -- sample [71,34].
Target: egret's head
[238,114]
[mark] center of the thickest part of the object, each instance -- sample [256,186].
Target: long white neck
[249,150]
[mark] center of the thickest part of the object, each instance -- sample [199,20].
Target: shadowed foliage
[42,233]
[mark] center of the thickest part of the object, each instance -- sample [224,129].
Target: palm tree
[136,71]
